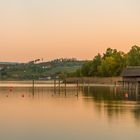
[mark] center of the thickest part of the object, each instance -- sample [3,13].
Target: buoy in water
[11,89]
[126,95]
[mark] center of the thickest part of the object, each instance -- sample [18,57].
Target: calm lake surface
[95,113]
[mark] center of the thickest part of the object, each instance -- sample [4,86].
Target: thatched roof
[131,71]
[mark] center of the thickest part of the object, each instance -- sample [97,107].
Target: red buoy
[23,95]
[11,89]
[126,95]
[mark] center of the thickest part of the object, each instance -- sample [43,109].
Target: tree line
[111,63]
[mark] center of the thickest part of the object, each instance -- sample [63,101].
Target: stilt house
[131,78]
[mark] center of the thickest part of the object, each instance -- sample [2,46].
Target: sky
[49,29]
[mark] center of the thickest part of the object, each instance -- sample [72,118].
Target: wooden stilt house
[131,78]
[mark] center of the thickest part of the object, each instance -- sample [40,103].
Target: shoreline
[69,82]
[94,80]
[16,84]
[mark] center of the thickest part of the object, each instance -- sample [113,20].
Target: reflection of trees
[102,94]
[113,102]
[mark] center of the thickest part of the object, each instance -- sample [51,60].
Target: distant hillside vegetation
[38,69]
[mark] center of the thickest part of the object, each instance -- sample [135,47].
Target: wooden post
[137,90]
[65,84]
[54,85]
[122,85]
[128,87]
[77,88]
[135,87]
[77,84]
[83,85]
[88,87]
[33,83]
[33,87]
[115,83]
[77,93]
[132,87]
[59,85]
[65,87]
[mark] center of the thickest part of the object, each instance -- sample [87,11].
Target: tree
[86,68]
[109,52]
[133,56]
[108,67]
[119,58]
[95,64]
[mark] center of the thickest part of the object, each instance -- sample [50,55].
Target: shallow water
[96,113]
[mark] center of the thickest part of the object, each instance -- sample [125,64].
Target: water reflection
[71,114]
[113,102]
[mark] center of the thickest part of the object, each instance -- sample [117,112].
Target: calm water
[98,113]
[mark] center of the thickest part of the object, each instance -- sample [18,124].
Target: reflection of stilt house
[131,78]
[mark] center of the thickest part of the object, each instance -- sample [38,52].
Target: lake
[95,113]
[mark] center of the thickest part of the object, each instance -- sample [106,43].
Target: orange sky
[66,28]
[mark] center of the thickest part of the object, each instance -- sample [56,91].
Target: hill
[40,70]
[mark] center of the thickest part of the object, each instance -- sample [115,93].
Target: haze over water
[97,113]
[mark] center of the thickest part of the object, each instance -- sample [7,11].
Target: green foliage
[108,67]
[133,57]
[93,71]
[85,70]
[110,52]
[111,63]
